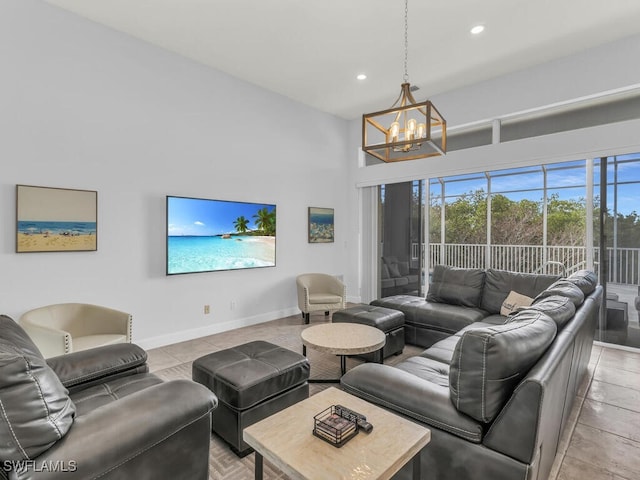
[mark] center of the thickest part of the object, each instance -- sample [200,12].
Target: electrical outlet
[207,309]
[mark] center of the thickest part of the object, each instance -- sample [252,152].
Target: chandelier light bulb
[394,131]
[422,130]
[411,129]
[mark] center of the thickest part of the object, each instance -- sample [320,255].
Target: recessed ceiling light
[361,76]
[477,29]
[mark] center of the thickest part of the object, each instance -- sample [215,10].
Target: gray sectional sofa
[496,391]
[397,276]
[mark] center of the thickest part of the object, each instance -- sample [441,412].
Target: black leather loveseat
[495,391]
[97,414]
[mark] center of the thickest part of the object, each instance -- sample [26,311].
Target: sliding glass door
[401,213]
[617,240]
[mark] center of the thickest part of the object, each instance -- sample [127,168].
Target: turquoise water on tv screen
[188,254]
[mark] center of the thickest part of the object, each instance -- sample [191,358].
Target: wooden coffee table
[342,339]
[286,440]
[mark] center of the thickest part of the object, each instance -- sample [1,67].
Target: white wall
[85,107]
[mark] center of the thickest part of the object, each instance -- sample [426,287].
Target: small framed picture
[321,225]
[56,219]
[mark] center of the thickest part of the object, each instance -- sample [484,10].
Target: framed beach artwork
[321,225]
[56,219]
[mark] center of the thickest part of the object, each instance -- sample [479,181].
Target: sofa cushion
[442,351]
[514,302]
[456,286]
[563,288]
[384,272]
[89,399]
[403,268]
[585,280]
[489,362]
[499,283]
[560,309]
[404,303]
[36,409]
[481,324]
[401,281]
[495,319]
[425,394]
[323,298]
[427,369]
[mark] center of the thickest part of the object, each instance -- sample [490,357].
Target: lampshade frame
[377,125]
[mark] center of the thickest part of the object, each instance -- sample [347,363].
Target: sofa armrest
[303,297]
[421,399]
[96,319]
[50,341]
[159,432]
[87,367]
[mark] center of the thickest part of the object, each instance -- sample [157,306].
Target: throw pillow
[457,286]
[385,272]
[403,267]
[489,362]
[563,288]
[394,270]
[513,302]
[584,280]
[500,282]
[560,309]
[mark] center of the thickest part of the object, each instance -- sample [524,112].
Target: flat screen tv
[210,235]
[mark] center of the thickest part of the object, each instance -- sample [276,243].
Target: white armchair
[320,292]
[71,327]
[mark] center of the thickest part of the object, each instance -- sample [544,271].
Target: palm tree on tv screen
[241,224]
[266,221]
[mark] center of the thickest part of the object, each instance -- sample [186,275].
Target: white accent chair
[71,327]
[319,292]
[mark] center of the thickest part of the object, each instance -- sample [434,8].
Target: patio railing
[623,264]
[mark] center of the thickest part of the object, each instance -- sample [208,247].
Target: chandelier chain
[406,40]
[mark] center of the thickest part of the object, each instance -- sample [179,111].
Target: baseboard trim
[191,334]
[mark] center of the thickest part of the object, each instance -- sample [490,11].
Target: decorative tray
[334,426]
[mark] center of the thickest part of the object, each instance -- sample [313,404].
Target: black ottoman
[252,381]
[390,321]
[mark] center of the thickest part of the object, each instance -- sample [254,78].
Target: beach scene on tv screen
[208,235]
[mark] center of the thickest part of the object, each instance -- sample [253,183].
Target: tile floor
[601,441]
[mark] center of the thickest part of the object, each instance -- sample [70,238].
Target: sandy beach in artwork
[40,242]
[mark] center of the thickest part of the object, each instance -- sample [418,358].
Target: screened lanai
[555,218]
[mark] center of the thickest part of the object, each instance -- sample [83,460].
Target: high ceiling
[312,50]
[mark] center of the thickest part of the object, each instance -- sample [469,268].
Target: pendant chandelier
[408,130]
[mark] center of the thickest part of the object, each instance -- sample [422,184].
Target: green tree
[566,221]
[466,219]
[266,221]
[515,222]
[241,224]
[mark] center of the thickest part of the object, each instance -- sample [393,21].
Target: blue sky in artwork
[202,217]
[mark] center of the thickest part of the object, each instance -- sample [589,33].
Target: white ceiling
[312,50]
